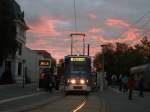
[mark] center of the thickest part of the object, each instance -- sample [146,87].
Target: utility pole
[88,50]
[83,46]
[71,44]
[103,68]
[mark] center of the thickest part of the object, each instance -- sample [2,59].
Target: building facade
[14,65]
[24,66]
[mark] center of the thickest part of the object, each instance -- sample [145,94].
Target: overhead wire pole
[83,46]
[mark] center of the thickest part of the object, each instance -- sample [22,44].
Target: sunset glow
[51,24]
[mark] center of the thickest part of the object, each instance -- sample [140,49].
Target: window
[7,66]
[78,67]
[19,48]
[19,69]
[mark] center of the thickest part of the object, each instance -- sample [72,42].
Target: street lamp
[103,67]
[103,58]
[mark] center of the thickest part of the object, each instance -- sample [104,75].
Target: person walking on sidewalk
[141,86]
[131,85]
[124,82]
[120,82]
[114,80]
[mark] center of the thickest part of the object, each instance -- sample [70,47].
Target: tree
[123,57]
[98,61]
[145,44]
[8,42]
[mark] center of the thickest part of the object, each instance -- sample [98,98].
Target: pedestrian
[141,86]
[124,83]
[120,82]
[108,78]
[114,79]
[131,85]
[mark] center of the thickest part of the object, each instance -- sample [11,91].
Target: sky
[103,21]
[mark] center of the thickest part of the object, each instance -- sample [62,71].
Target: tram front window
[78,68]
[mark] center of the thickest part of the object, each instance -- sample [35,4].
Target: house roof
[44,53]
[19,15]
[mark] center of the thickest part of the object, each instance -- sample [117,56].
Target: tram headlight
[72,81]
[82,81]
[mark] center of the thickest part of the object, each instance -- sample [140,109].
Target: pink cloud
[129,36]
[116,22]
[37,43]
[92,16]
[44,27]
[95,30]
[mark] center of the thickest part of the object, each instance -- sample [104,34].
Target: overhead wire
[136,22]
[75,16]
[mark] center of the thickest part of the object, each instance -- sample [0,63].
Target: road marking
[19,98]
[80,106]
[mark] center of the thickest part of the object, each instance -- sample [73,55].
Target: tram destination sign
[78,59]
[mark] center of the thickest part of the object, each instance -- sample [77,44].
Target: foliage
[121,57]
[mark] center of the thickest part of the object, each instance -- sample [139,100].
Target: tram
[77,73]
[142,70]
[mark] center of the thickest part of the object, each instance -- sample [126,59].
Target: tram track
[80,106]
[69,103]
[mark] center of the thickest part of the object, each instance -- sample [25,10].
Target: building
[31,66]
[24,66]
[14,65]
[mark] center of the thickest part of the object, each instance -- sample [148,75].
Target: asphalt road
[74,103]
[28,99]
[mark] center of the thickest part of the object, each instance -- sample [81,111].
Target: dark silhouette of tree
[123,57]
[98,61]
[8,43]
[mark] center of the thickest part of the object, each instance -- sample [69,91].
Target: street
[28,99]
[74,103]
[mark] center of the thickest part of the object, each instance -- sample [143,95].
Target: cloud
[37,43]
[92,16]
[95,30]
[116,22]
[51,22]
[131,35]
[44,27]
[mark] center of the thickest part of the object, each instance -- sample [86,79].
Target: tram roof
[70,56]
[140,68]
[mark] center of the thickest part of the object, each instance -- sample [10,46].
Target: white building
[31,66]
[15,64]
[24,66]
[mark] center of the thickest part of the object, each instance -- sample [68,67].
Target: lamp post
[103,67]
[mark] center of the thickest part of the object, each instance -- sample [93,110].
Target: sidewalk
[118,101]
[12,90]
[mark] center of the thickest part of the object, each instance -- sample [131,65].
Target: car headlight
[72,81]
[82,81]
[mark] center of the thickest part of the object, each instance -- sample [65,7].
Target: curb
[16,85]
